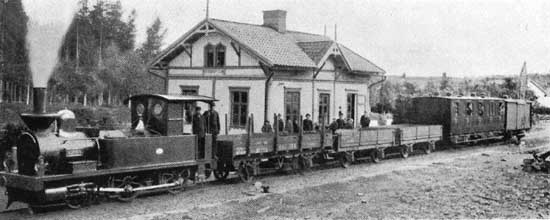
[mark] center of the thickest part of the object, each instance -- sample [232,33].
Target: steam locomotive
[76,168]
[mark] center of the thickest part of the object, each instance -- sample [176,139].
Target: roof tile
[276,47]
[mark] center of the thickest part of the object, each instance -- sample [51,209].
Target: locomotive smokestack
[38,121]
[39,100]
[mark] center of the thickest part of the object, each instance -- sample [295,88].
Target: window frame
[239,90]
[189,108]
[207,49]
[291,102]
[220,47]
[327,119]
[480,109]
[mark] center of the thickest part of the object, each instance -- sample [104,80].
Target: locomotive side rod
[59,193]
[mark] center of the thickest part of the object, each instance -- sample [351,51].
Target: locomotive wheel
[404,151]
[171,178]
[246,172]
[129,194]
[74,202]
[375,156]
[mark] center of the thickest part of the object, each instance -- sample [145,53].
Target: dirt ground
[469,182]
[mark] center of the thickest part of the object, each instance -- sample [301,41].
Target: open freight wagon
[252,154]
[376,142]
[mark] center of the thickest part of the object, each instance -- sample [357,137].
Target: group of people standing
[209,123]
[342,123]
[292,126]
[205,123]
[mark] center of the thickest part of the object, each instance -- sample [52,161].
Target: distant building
[540,92]
[265,70]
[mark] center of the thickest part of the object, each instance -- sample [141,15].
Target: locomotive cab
[158,133]
[163,115]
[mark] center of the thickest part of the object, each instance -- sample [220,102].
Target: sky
[418,37]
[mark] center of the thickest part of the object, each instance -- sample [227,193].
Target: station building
[265,70]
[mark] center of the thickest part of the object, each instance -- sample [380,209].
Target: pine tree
[151,47]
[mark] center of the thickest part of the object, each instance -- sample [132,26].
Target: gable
[193,56]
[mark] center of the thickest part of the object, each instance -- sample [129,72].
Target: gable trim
[195,29]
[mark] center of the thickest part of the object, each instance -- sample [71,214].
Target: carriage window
[480,109]
[469,108]
[500,108]
[456,108]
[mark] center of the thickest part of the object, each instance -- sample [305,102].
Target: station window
[239,107]
[214,56]
[220,55]
[292,104]
[209,55]
[189,108]
[500,108]
[324,107]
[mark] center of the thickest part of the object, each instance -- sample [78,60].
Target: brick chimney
[275,19]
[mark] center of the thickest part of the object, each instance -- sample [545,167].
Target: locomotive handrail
[276,132]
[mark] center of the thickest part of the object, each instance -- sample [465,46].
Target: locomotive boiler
[46,148]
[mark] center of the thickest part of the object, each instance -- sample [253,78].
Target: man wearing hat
[212,120]
[340,121]
[199,130]
[308,124]
[212,124]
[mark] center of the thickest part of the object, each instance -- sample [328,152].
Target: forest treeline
[100,62]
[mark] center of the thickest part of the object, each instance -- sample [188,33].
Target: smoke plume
[48,24]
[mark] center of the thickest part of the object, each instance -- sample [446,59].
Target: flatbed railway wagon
[376,142]
[421,137]
[74,170]
[254,154]
[472,119]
